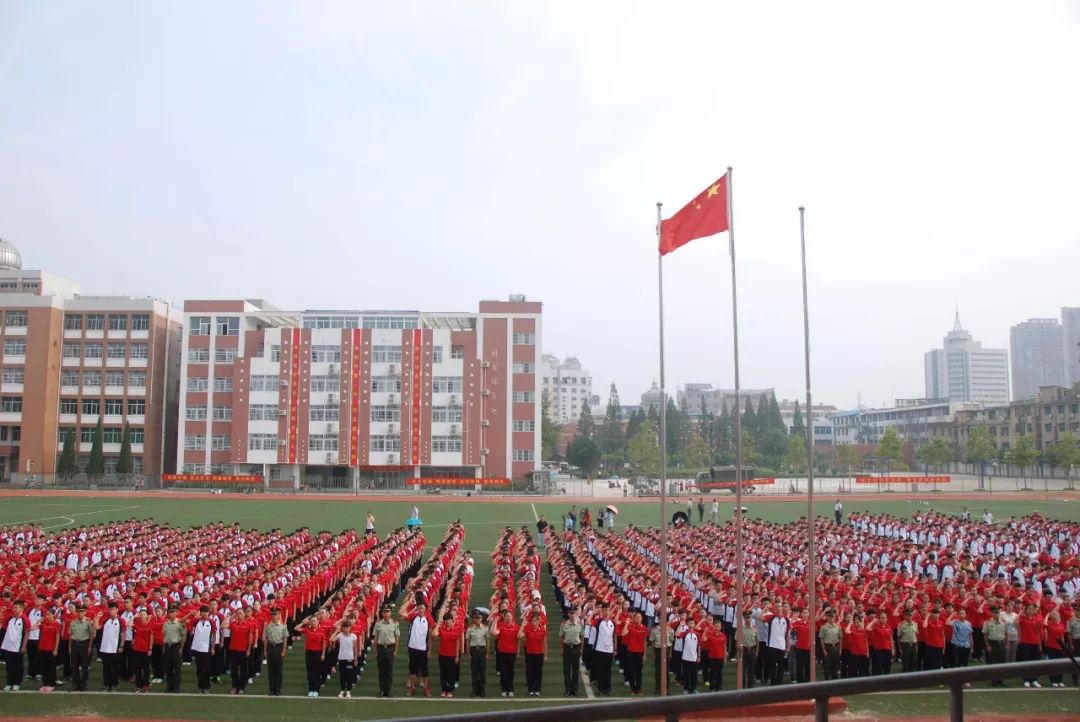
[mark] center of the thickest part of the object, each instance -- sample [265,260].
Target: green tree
[795,459]
[96,465]
[1022,454]
[697,453]
[749,419]
[725,431]
[550,432]
[634,423]
[643,450]
[773,419]
[1065,453]
[584,423]
[124,464]
[980,447]
[610,436]
[749,450]
[678,431]
[891,448]
[585,454]
[847,457]
[706,429]
[66,465]
[935,454]
[798,428]
[773,446]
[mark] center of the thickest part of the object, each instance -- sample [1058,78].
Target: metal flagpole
[811,519]
[662,612]
[738,444]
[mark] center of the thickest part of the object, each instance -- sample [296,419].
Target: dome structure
[10,258]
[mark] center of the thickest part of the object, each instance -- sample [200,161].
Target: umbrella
[613,509]
[744,510]
[679,518]
[483,611]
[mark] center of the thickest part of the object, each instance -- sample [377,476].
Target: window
[138,436]
[198,355]
[262,442]
[200,326]
[62,433]
[117,350]
[223,384]
[194,468]
[222,413]
[220,442]
[195,442]
[457,352]
[524,397]
[524,368]
[14,347]
[524,339]
[224,355]
[114,378]
[11,404]
[317,412]
[275,352]
[263,412]
[195,413]
[386,354]
[445,444]
[70,350]
[197,383]
[227,326]
[137,380]
[331,322]
[385,443]
[386,383]
[322,442]
[86,435]
[325,383]
[523,455]
[265,382]
[14,376]
[8,286]
[111,435]
[69,406]
[446,414]
[117,322]
[69,378]
[140,350]
[93,350]
[524,425]
[324,354]
[91,407]
[95,322]
[436,355]
[140,322]
[15,318]
[91,379]
[386,413]
[72,322]
[114,407]
[446,385]
[390,322]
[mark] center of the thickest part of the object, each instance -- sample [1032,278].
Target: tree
[124,464]
[725,430]
[1065,453]
[935,454]
[678,428]
[96,465]
[798,428]
[610,437]
[585,454]
[66,465]
[697,453]
[891,448]
[749,419]
[634,423]
[643,450]
[584,423]
[795,459]
[773,445]
[980,446]
[749,450]
[847,457]
[1022,454]
[550,432]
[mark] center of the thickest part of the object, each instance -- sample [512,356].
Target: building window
[325,383]
[93,350]
[223,384]
[524,339]
[200,326]
[265,382]
[325,354]
[195,413]
[72,322]
[393,322]
[275,353]
[385,383]
[114,407]
[323,412]
[140,322]
[262,442]
[117,323]
[220,442]
[138,436]
[524,397]
[520,425]
[523,455]
[222,413]
[386,413]
[445,444]
[69,406]
[62,433]
[446,414]
[69,378]
[91,379]
[195,442]
[198,355]
[117,350]
[224,355]
[227,326]
[114,378]
[14,376]
[524,368]
[263,412]
[15,319]
[457,352]
[197,383]
[86,435]
[194,469]
[95,322]
[322,442]
[14,347]
[385,443]
[446,385]
[331,321]
[11,404]
[136,379]
[436,355]
[70,350]
[111,435]
[386,354]
[140,350]
[91,407]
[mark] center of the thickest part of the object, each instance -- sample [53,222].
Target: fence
[671,708]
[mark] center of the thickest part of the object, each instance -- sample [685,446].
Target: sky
[428,155]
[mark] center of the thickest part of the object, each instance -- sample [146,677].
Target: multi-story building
[69,360]
[1054,413]
[701,398]
[912,419]
[1038,359]
[822,420]
[962,370]
[568,386]
[1070,336]
[363,397]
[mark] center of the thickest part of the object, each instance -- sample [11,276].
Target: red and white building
[359,398]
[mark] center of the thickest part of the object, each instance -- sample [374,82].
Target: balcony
[10,331]
[14,360]
[137,363]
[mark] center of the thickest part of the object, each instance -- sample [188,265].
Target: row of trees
[68,465]
[980,448]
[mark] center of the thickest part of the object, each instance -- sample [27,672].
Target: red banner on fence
[732,484]
[215,478]
[456,481]
[903,479]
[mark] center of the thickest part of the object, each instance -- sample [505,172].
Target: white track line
[69,516]
[536,517]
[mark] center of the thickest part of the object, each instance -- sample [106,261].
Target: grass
[483,522]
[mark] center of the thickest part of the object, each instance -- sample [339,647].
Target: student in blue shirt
[961,638]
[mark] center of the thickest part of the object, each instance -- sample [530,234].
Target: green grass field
[483,522]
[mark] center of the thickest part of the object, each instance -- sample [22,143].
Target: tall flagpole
[811,519]
[662,613]
[738,442]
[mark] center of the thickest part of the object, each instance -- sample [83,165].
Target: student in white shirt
[348,656]
[111,647]
[202,647]
[691,655]
[16,630]
[604,650]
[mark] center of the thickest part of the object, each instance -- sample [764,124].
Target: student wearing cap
[387,635]
[274,638]
[81,632]
[175,634]
[16,632]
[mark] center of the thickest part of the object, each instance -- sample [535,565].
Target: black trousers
[633,666]
[505,663]
[602,671]
[274,653]
[689,676]
[961,656]
[1028,653]
[13,663]
[47,664]
[716,675]
[313,662]
[802,665]
[171,658]
[346,670]
[1052,653]
[80,664]
[203,668]
[534,672]
[32,657]
[448,667]
[908,656]
[749,662]
[140,668]
[881,661]
[385,659]
[157,666]
[63,658]
[110,669]
[238,667]
[774,665]
[859,665]
[656,657]
[478,667]
[932,657]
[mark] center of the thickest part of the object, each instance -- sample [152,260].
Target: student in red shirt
[800,629]
[48,646]
[933,640]
[859,660]
[141,643]
[1030,626]
[715,644]
[881,644]
[535,636]
[634,634]
[1053,643]
[239,647]
[505,633]
[157,658]
[314,653]
[450,634]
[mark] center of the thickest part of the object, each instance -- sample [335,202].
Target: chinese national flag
[706,215]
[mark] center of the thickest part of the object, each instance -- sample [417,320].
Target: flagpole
[811,519]
[662,613]
[738,442]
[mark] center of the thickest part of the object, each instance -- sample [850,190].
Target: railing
[671,707]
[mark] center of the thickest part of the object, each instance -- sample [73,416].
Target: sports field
[482,520]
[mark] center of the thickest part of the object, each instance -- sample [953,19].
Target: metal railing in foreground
[671,707]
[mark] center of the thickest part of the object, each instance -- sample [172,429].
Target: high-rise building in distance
[1038,348]
[1070,336]
[962,370]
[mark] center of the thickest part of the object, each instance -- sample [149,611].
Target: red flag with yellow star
[706,215]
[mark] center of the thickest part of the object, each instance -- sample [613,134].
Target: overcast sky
[430,154]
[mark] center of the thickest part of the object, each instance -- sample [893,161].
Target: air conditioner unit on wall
[392,369]
[486,422]
[391,428]
[391,399]
[332,370]
[330,428]
[484,452]
[330,457]
[391,458]
[331,398]
[453,400]
[454,430]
